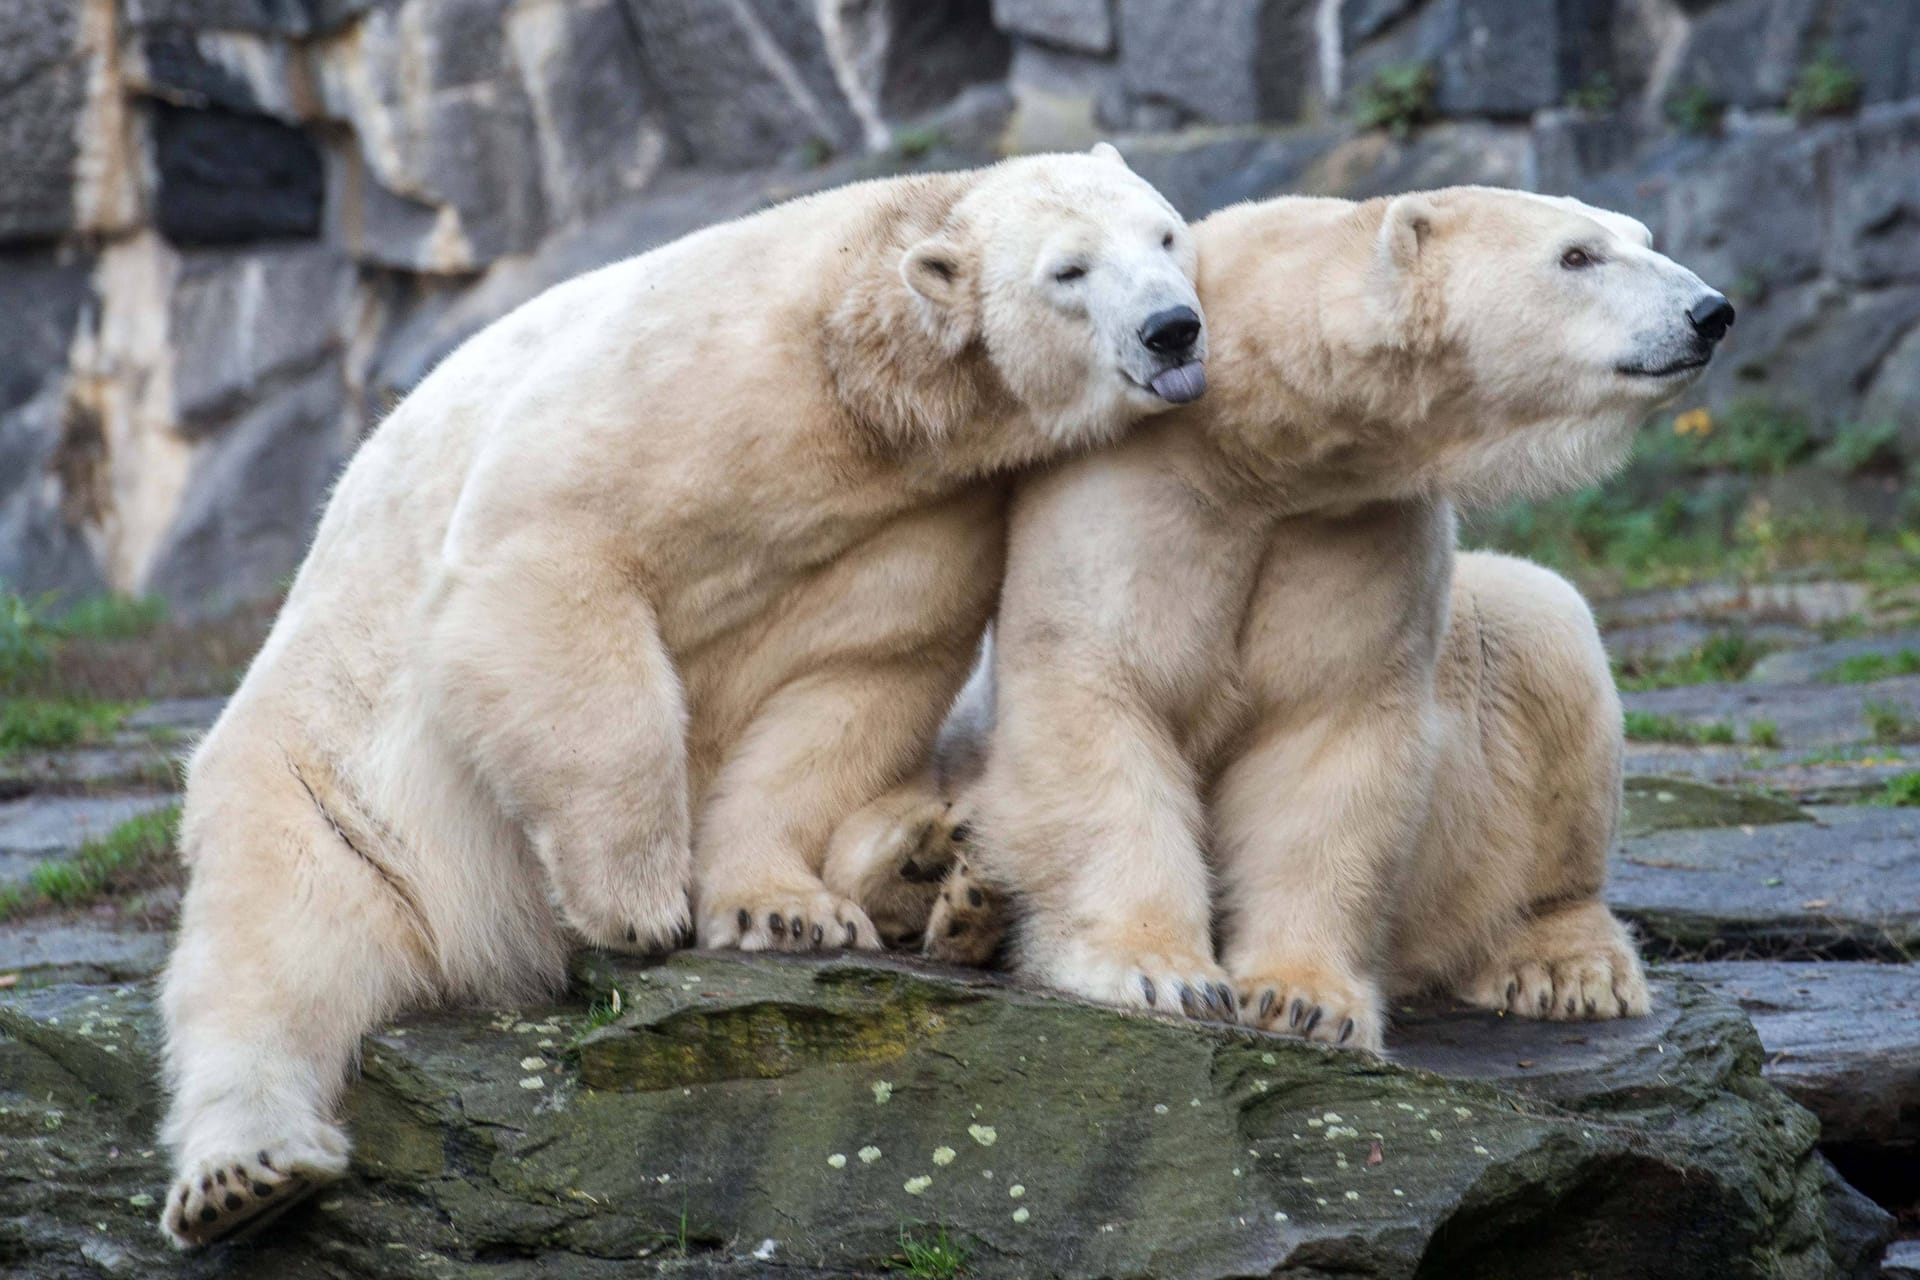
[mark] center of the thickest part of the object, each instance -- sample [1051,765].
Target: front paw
[1603,983]
[1159,971]
[1312,1001]
[789,919]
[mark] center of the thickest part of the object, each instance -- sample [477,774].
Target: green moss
[916,141]
[1398,99]
[1595,97]
[26,640]
[1763,733]
[1825,86]
[39,724]
[112,617]
[1864,446]
[1865,667]
[129,855]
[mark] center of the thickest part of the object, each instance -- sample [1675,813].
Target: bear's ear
[1107,151]
[940,274]
[1405,231]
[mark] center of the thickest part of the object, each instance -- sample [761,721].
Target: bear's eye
[1067,275]
[1166,241]
[1576,259]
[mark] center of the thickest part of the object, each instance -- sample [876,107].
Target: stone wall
[233,230]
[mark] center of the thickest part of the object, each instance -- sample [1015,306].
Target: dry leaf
[1375,1155]
[1816,904]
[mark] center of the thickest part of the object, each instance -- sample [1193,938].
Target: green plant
[1864,667]
[1863,446]
[1729,655]
[39,724]
[1398,99]
[1902,791]
[1695,109]
[935,1259]
[914,141]
[26,641]
[1890,724]
[126,856]
[1596,97]
[1825,86]
[112,617]
[1647,726]
[1763,733]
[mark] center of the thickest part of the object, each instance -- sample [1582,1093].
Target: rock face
[340,189]
[743,1114]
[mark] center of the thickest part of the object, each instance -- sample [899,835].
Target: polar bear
[648,586]
[1244,634]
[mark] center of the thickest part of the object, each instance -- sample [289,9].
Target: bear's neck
[904,399]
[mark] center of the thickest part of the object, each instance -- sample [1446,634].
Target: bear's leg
[551,676]
[1504,905]
[291,947]
[1313,825]
[814,756]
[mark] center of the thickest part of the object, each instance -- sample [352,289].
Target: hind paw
[968,919]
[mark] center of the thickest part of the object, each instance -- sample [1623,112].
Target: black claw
[264,1162]
[1189,1003]
[234,1201]
[220,1176]
[1593,1008]
[1146,989]
[962,833]
[976,898]
[1346,1030]
[209,1213]
[1227,1001]
[1513,989]
[956,927]
[744,920]
[1296,1011]
[1572,1004]
[1210,997]
[1546,1001]
[776,924]
[184,1225]
[1313,1020]
[1266,1004]
[799,927]
[240,1173]
[853,934]
[633,934]
[911,870]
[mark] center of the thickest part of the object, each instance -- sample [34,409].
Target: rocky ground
[843,1118]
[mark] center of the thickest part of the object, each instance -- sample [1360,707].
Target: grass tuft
[42,724]
[1647,726]
[1890,724]
[1763,733]
[938,1258]
[1901,792]
[1825,86]
[1865,667]
[1721,658]
[1398,99]
[133,855]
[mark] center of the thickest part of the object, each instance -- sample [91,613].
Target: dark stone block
[227,178]
[938,48]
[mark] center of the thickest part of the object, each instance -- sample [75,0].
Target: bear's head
[1521,339]
[1074,279]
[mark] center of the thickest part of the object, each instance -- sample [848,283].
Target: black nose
[1712,316]
[1171,332]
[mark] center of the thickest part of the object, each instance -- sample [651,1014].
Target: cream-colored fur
[648,587]
[1241,635]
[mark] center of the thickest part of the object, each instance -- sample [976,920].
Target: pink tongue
[1182,384]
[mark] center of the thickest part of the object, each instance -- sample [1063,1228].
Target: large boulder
[742,1114]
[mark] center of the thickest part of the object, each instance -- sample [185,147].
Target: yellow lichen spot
[1463,1113]
[1021,1214]
[983,1134]
[882,1090]
[944,1155]
[914,1186]
[1435,1134]
[1269,1059]
[1016,1191]
[1480,1150]
[868,1154]
[836,1161]
[1159,1108]
[140,1201]
[533,1082]
[1279,1217]
[1353,1195]
[533,1064]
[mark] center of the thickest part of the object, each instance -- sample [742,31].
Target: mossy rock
[748,1116]
[1676,804]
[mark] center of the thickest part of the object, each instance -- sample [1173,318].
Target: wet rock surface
[866,1099]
